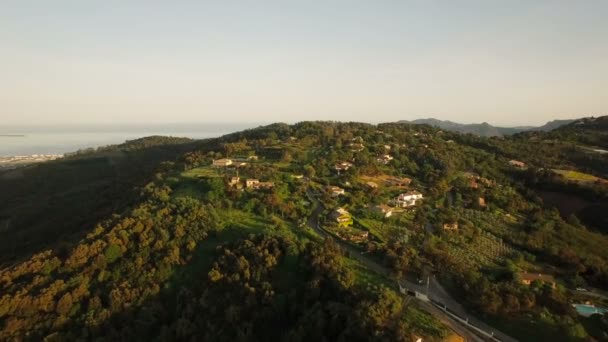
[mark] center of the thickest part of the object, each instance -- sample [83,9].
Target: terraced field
[483,251]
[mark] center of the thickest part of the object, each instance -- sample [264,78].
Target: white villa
[255,184]
[250,183]
[385,210]
[385,159]
[343,166]
[408,199]
[335,191]
[222,162]
[342,217]
[450,226]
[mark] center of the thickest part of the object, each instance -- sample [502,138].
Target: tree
[65,304]
[112,253]
[309,171]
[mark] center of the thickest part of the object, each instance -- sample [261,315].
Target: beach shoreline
[13,162]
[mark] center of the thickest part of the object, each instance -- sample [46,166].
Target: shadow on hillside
[52,205]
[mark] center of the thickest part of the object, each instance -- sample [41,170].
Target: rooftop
[537,276]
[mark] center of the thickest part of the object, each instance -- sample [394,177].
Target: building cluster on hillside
[256,184]
[237,162]
[250,183]
[407,199]
[14,162]
[475,180]
[384,159]
[224,162]
[342,217]
[343,166]
[450,226]
[529,278]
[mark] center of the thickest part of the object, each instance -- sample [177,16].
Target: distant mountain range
[485,129]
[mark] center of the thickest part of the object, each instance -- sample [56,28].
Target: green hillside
[161,239]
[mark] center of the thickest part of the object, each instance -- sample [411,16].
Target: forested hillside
[302,232]
[54,202]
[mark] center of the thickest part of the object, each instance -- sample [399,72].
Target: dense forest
[237,238]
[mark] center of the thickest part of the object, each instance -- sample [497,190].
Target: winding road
[434,291]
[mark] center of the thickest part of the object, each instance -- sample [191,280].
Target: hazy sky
[506,62]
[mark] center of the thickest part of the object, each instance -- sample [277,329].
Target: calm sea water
[61,139]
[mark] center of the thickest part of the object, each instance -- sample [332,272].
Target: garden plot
[482,251]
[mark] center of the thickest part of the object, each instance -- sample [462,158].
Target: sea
[26,140]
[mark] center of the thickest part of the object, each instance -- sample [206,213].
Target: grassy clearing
[364,277]
[379,179]
[237,219]
[188,189]
[425,323]
[282,166]
[382,181]
[202,172]
[576,176]
[253,224]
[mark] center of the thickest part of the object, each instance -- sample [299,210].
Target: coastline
[58,139]
[13,162]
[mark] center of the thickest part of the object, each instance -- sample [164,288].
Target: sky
[517,62]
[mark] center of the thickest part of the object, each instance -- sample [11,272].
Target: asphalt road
[435,291]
